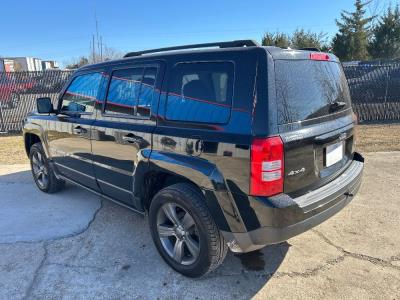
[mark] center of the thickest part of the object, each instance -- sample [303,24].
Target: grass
[370,138]
[375,138]
[12,150]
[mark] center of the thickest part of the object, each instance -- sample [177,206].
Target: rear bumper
[291,216]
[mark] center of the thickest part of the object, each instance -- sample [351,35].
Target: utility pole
[97,42]
[101,48]
[93,51]
[97,34]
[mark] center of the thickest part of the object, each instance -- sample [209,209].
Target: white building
[26,64]
[31,64]
[49,64]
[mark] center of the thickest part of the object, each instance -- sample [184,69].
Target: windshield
[309,89]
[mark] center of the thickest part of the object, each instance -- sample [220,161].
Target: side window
[123,91]
[81,93]
[200,92]
[130,92]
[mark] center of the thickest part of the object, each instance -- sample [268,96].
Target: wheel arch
[33,134]
[208,181]
[156,180]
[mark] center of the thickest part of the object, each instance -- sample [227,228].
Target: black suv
[231,146]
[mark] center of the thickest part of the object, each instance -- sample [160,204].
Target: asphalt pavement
[75,245]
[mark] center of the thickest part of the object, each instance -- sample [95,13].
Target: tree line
[360,37]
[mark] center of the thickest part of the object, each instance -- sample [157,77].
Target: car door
[69,133]
[121,143]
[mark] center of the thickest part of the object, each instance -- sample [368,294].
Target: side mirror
[44,105]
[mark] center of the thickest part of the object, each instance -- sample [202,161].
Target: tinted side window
[131,92]
[81,93]
[200,92]
[123,91]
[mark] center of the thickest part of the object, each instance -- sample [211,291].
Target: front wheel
[42,171]
[184,231]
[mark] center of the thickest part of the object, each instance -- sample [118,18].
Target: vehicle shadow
[244,275]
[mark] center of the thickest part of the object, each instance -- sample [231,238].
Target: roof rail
[231,44]
[311,49]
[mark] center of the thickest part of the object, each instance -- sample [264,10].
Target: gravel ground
[85,248]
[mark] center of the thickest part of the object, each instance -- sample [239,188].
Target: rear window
[308,89]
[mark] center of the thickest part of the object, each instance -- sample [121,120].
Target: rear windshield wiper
[338,105]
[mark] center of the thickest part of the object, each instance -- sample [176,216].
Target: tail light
[319,56]
[266,178]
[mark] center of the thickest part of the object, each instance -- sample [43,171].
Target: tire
[43,172]
[183,199]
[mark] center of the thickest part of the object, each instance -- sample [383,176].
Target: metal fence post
[3,129]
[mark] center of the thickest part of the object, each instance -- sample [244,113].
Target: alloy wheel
[40,170]
[178,233]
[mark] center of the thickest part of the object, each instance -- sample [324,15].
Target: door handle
[79,130]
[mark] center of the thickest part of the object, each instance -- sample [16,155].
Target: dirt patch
[12,150]
[374,138]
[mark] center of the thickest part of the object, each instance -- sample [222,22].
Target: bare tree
[110,53]
[76,63]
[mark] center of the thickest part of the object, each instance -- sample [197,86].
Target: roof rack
[231,44]
[311,49]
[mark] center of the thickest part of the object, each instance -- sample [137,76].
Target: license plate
[334,153]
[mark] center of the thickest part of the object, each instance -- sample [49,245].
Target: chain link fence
[19,91]
[374,88]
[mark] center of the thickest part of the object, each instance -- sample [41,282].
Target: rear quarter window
[200,92]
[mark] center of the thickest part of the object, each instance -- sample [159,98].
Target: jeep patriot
[220,145]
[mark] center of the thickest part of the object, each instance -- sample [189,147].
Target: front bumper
[300,214]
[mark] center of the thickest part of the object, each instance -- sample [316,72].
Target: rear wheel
[42,171]
[184,231]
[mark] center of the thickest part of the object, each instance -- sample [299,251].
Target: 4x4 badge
[295,172]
